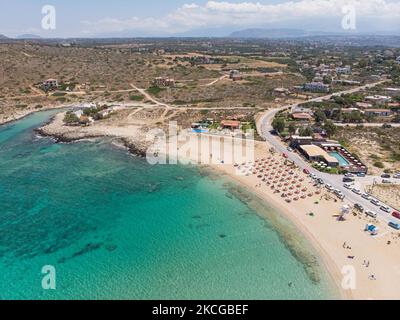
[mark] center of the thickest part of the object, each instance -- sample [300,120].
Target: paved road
[264,127]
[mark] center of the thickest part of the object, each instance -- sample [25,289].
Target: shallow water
[115,227]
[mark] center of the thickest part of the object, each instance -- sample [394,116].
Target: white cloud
[213,14]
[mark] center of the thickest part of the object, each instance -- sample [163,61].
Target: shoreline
[33,111]
[323,256]
[323,232]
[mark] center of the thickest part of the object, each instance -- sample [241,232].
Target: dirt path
[149,97]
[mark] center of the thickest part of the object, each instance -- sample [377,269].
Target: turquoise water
[116,228]
[342,161]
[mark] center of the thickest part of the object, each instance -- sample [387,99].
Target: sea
[88,220]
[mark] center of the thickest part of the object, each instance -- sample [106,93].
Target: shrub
[136,98]
[71,118]
[379,164]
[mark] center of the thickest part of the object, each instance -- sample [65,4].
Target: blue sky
[189,17]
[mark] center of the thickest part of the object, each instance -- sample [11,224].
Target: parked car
[361,175]
[371,214]
[347,179]
[359,207]
[349,175]
[397,176]
[366,196]
[348,186]
[385,209]
[394,225]
[289,149]
[339,194]
[329,187]
[357,191]
[285,156]
[386,176]
[306,171]
[386,181]
[396,214]
[375,202]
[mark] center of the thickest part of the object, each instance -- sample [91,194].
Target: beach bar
[317,154]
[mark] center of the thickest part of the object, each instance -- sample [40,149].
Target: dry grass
[379,148]
[389,194]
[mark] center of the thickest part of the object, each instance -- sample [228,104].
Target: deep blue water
[115,227]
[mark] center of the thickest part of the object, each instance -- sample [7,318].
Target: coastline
[132,147]
[323,257]
[327,235]
[32,111]
[323,231]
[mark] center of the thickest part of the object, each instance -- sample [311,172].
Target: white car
[357,191]
[386,209]
[348,186]
[376,202]
[397,176]
[371,214]
[329,187]
[366,196]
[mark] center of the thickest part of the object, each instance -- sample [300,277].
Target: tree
[306,132]
[279,124]
[292,129]
[71,118]
[320,116]
[330,128]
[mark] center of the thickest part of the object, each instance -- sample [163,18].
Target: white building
[316,87]
[378,99]
[343,70]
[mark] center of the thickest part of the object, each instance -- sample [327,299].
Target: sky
[134,18]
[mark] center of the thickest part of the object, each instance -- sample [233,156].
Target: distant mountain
[269,33]
[28,36]
[3,37]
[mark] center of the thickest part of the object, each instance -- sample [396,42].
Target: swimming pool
[342,161]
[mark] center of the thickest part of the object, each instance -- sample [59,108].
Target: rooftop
[315,151]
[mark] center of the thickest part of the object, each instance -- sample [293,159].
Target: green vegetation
[279,124]
[58,94]
[136,98]
[71,118]
[379,164]
[154,90]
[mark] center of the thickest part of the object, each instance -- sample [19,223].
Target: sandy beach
[340,243]
[343,245]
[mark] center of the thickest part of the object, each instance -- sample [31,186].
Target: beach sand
[328,235]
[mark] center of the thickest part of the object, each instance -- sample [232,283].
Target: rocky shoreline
[134,138]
